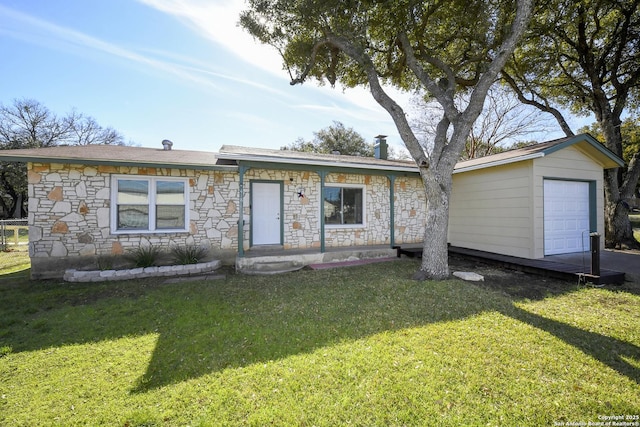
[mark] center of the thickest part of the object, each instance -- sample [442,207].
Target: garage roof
[584,142]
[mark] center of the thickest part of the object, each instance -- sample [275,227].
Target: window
[343,205]
[148,204]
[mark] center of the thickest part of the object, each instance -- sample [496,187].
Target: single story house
[87,201]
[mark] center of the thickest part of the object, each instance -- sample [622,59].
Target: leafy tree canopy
[335,138]
[441,47]
[584,56]
[630,131]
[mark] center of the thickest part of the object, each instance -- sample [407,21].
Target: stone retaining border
[73,275]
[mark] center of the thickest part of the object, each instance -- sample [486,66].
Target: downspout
[392,209]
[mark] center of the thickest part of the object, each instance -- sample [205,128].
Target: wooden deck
[541,266]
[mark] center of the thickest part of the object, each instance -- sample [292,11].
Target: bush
[190,254]
[144,256]
[107,262]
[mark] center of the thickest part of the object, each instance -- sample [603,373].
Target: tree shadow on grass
[15,278]
[608,350]
[207,327]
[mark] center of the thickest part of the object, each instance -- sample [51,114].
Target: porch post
[392,209]
[242,169]
[322,174]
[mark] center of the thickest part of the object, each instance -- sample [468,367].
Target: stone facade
[410,213]
[70,212]
[301,215]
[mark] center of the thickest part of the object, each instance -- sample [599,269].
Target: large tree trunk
[435,263]
[17,211]
[618,231]
[619,184]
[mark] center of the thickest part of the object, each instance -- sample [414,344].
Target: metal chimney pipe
[380,148]
[166,144]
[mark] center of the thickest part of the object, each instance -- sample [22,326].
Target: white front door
[566,216]
[266,224]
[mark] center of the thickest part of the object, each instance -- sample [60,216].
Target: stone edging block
[73,275]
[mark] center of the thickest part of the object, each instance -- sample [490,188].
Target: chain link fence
[14,243]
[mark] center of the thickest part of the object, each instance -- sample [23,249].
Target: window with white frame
[152,204]
[344,205]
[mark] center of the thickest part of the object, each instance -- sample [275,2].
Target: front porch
[273,259]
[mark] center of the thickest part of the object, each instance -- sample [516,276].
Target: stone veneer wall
[302,214]
[410,210]
[377,211]
[69,214]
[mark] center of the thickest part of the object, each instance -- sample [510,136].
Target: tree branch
[631,178]
[542,107]
[379,94]
[312,62]
[444,97]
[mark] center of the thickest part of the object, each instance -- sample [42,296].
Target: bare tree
[28,124]
[85,130]
[504,122]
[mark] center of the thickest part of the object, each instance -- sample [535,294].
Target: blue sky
[168,69]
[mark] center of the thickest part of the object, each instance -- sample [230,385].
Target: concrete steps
[278,262]
[271,267]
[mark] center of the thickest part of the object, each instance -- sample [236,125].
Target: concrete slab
[627,262]
[350,263]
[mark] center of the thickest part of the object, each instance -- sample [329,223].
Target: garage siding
[571,164]
[491,210]
[501,208]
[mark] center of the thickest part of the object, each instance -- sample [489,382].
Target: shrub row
[149,256]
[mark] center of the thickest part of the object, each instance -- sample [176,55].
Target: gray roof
[229,156]
[584,141]
[234,152]
[115,155]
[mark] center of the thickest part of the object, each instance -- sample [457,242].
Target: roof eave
[613,160]
[111,162]
[309,162]
[498,163]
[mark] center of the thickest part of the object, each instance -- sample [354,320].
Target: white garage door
[566,216]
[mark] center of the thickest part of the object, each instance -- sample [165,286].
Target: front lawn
[635,223]
[361,345]
[14,259]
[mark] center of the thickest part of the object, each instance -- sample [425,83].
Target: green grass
[14,260]
[362,345]
[635,223]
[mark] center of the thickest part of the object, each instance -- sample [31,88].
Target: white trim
[152,180]
[333,163]
[498,163]
[362,187]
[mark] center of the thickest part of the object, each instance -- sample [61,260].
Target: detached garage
[540,200]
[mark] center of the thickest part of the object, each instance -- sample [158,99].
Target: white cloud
[38,31]
[218,21]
